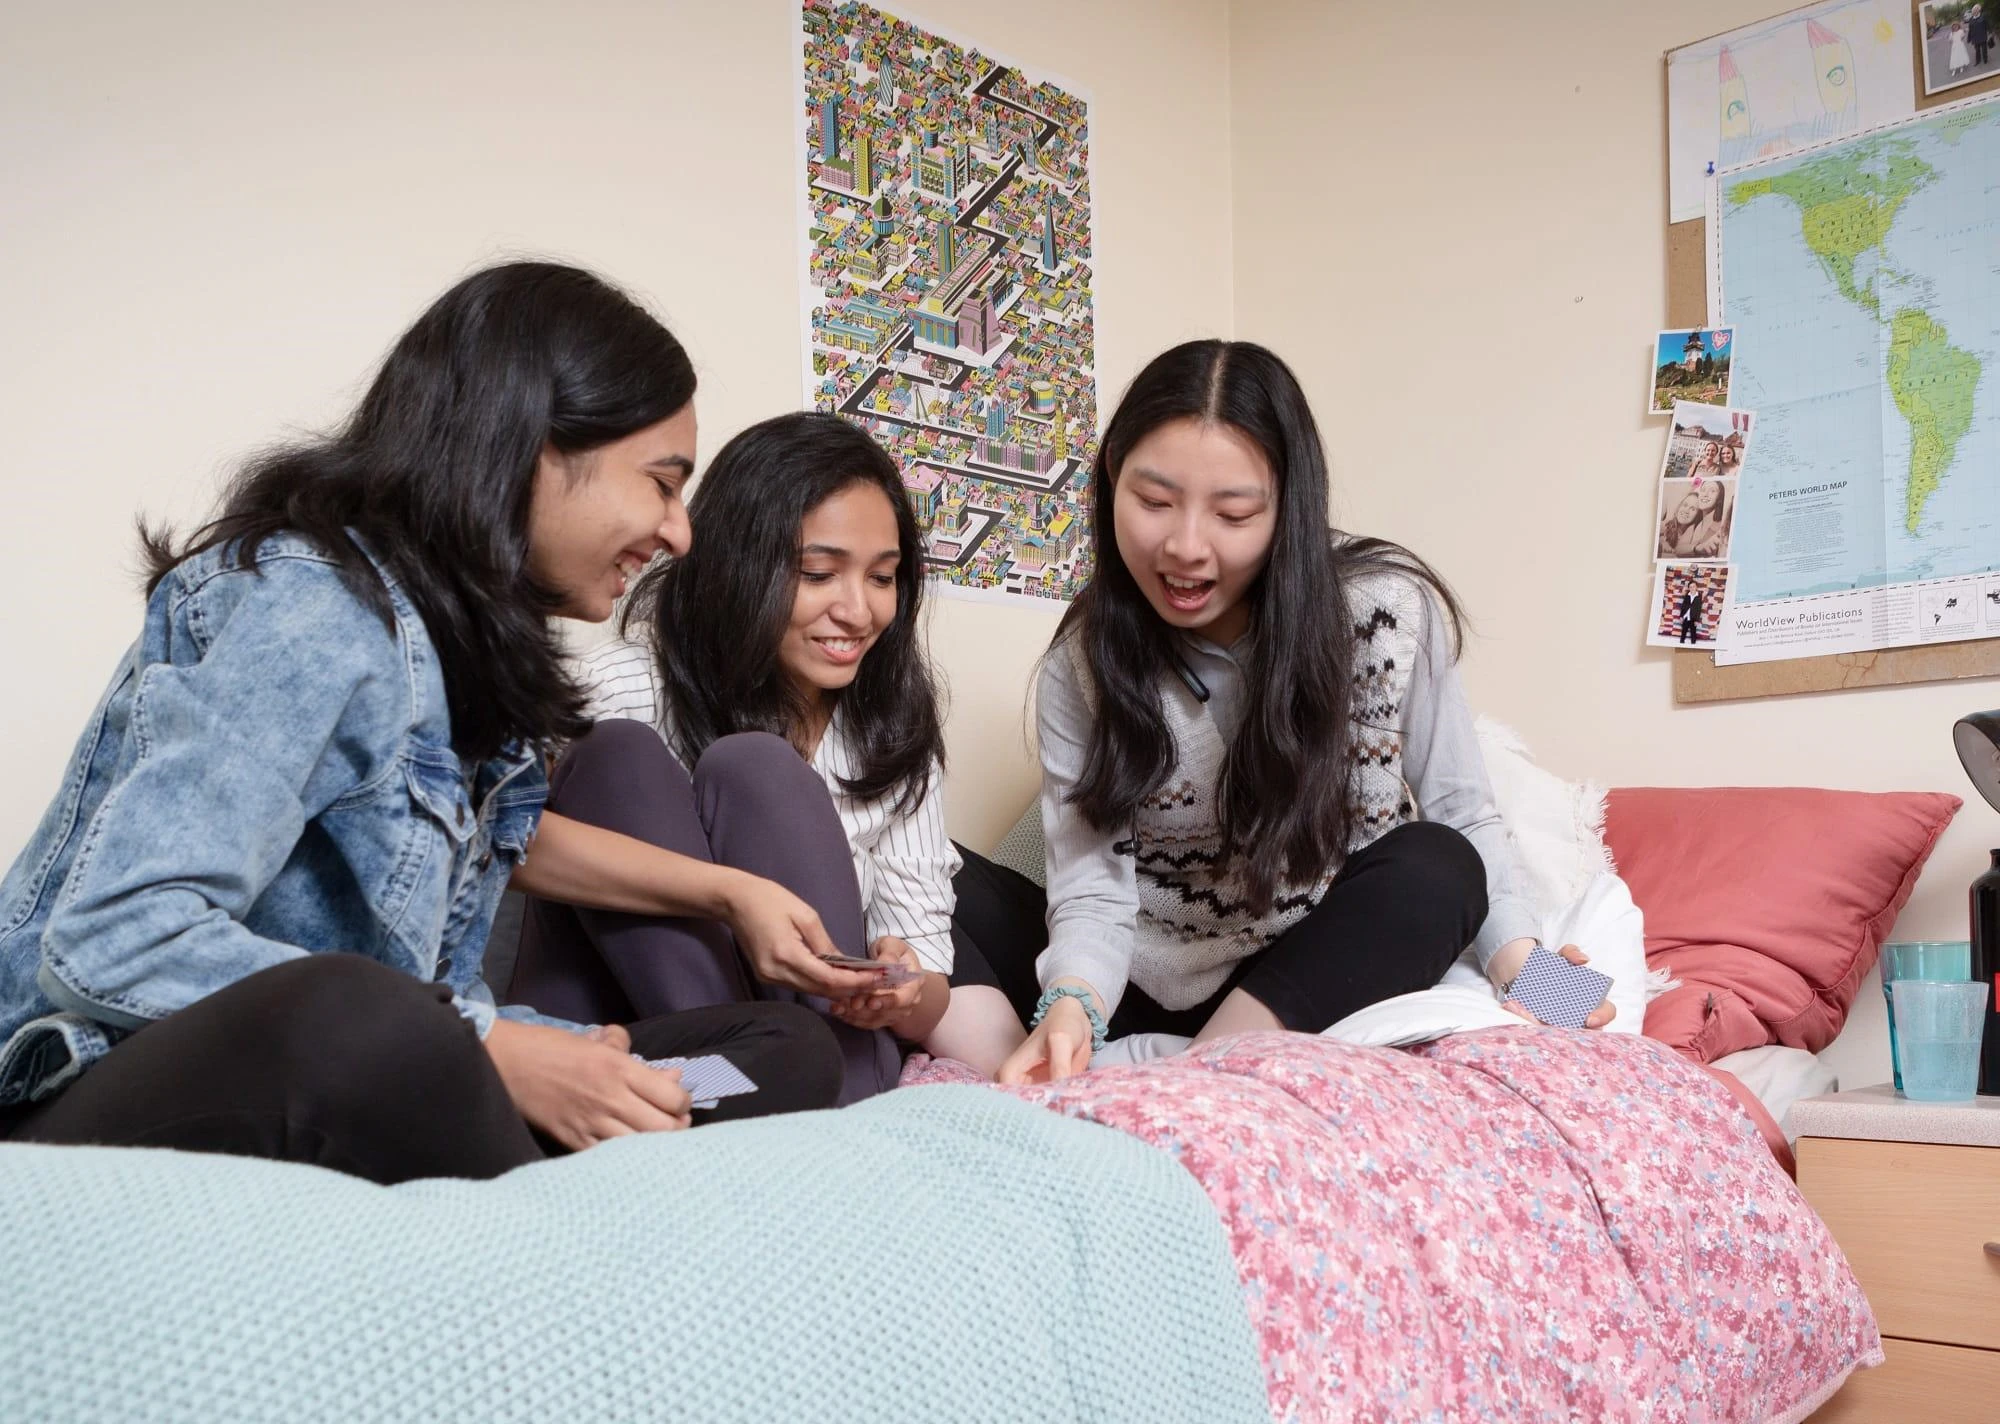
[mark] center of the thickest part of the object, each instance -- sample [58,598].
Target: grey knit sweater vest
[1195,922]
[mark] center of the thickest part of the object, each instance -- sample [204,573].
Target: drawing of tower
[864,164]
[947,249]
[1833,67]
[885,219]
[829,128]
[1733,96]
[1049,263]
[1059,437]
[996,418]
[978,324]
[885,84]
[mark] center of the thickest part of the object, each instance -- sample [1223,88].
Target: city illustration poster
[947,296]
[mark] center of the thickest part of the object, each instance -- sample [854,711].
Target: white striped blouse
[903,861]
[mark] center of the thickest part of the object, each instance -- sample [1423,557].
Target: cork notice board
[1696,677]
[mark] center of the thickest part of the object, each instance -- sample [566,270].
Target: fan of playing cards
[708,1079]
[887,975]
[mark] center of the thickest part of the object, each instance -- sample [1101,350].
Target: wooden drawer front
[1914,1219]
[1937,1384]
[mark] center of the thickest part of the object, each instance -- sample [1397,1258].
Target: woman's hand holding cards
[888,1001]
[782,937]
[583,1088]
[1555,983]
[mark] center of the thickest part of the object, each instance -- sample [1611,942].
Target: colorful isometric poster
[1691,366]
[947,291]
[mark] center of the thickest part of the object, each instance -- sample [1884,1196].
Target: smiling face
[1688,511]
[845,598]
[1194,512]
[596,518]
[1708,497]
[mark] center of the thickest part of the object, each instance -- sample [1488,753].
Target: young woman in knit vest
[1264,803]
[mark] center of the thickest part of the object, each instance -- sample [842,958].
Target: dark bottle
[1986,969]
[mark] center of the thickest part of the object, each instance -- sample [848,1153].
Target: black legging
[346,1063]
[1399,912]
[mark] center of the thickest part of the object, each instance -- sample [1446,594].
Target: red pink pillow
[1768,904]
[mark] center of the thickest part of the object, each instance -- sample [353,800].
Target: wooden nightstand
[1911,1192]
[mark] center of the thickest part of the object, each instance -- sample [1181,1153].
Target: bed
[1514,1224]
[1434,1212]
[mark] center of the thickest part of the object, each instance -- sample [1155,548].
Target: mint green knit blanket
[937,1254]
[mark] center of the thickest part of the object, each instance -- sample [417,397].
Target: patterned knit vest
[1195,921]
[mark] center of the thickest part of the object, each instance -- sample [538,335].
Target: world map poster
[947,289]
[1861,282]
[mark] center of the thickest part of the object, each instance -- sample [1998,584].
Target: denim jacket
[270,774]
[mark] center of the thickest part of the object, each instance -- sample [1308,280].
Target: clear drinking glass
[1940,1026]
[1930,959]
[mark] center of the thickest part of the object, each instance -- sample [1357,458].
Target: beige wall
[219,214]
[1416,193]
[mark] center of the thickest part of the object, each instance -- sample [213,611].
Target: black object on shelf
[1977,738]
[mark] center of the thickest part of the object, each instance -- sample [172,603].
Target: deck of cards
[887,975]
[708,1079]
[1557,992]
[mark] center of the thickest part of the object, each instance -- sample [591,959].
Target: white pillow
[1557,826]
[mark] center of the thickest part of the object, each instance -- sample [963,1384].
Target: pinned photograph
[1692,366]
[1958,43]
[1687,605]
[1707,442]
[1695,519]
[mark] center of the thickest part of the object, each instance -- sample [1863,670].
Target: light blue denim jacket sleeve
[269,774]
[229,756]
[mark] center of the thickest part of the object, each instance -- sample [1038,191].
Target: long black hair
[436,467]
[716,615]
[1283,799]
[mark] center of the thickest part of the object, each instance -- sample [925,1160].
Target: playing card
[887,975]
[708,1078]
[1558,992]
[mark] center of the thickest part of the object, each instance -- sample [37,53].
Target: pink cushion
[1769,904]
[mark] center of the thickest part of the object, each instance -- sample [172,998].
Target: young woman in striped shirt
[798,738]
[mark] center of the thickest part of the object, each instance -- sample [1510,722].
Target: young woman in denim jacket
[252,919]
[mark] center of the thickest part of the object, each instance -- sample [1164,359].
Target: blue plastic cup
[1929,959]
[1940,1026]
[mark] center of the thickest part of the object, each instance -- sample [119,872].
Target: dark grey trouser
[752,803]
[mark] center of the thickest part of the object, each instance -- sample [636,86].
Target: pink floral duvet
[1510,1225]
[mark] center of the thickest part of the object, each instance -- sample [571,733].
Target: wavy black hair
[436,467]
[716,615]
[1283,798]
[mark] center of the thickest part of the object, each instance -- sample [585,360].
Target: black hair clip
[1194,684]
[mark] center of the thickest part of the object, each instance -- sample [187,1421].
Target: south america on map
[947,298]
[1861,279]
